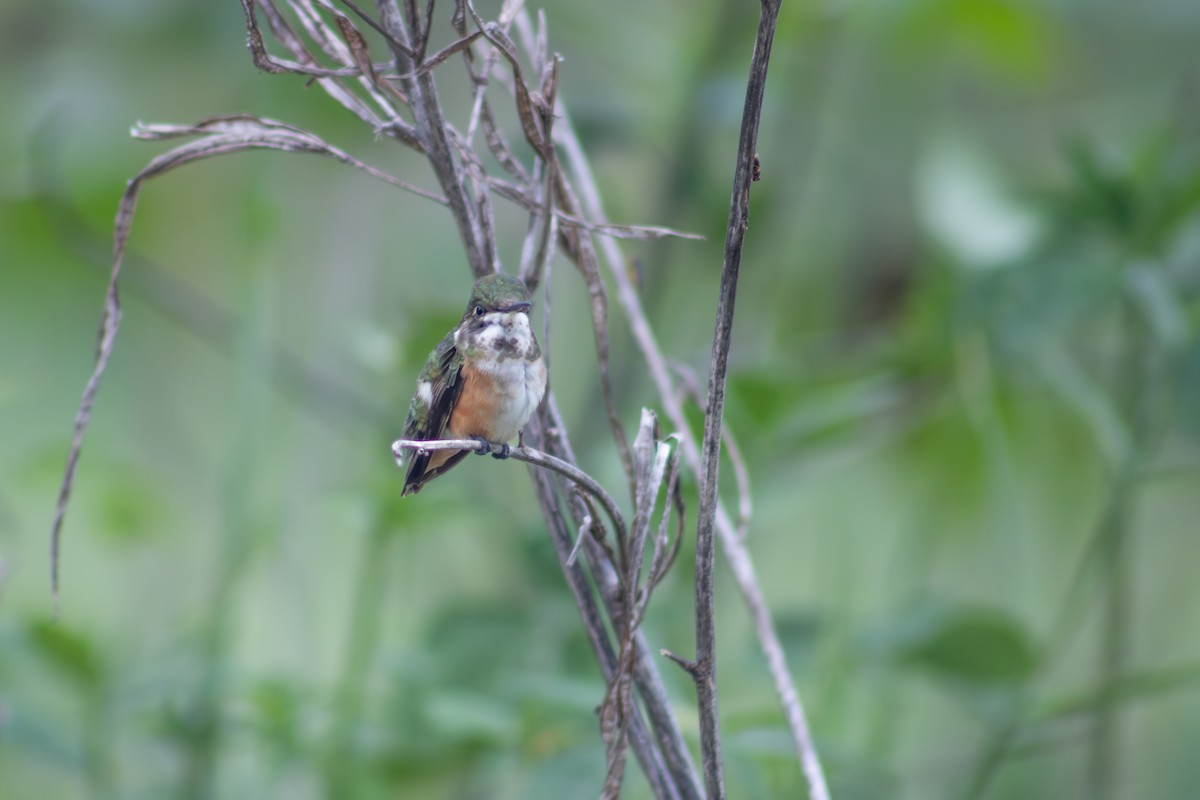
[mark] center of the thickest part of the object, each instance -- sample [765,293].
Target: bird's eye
[479,311]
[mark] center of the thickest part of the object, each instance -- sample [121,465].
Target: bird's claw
[497,451]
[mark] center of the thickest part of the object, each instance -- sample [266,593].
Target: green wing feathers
[428,420]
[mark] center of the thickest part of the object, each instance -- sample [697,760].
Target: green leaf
[67,650]
[979,646]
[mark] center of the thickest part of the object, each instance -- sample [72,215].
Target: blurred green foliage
[965,378]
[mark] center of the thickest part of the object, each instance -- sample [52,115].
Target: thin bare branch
[522,197]
[508,11]
[642,232]
[585,530]
[735,232]
[686,664]
[109,323]
[691,388]
[529,456]
[441,56]
[579,246]
[547,273]
[426,28]
[475,171]
[481,84]
[537,262]
[614,724]
[538,249]
[219,136]
[246,132]
[499,147]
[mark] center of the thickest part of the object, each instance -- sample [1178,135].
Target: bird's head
[496,294]
[497,317]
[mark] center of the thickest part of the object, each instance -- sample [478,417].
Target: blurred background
[965,378]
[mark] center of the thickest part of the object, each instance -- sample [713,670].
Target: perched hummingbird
[483,381]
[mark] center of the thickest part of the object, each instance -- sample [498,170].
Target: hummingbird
[482,381]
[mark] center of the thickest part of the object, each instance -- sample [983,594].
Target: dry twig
[705,666]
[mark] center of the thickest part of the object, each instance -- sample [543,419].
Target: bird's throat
[497,337]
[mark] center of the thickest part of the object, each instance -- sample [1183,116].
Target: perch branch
[529,456]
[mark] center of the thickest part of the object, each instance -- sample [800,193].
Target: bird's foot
[502,453]
[485,446]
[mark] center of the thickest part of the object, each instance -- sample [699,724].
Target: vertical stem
[705,668]
[251,362]
[206,724]
[1134,382]
[360,649]
[1103,758]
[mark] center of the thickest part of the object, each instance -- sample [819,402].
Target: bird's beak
[524,305]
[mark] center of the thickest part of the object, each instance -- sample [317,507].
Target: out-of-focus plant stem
[1108,553]
[1134,385]
[98,741]
[238,538]
[340,768]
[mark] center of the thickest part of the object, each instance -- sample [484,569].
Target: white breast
[520,385]
[518,370]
